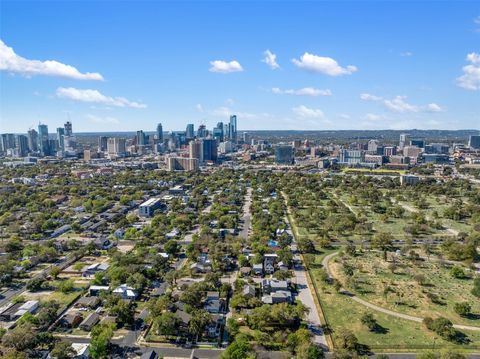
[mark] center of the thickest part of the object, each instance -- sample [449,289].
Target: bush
[463,308]
[457,272]
[369,321]
[476,287]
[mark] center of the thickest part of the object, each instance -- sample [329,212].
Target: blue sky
[331,65]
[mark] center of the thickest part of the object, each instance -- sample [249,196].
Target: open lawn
[418,288]
[394,335]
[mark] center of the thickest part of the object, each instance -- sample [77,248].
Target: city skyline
[312,66]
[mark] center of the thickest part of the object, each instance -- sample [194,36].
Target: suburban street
[305,293]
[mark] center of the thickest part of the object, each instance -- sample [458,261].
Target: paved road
[305,294]
[189,236]
[246,217]
[12,292]
[377,308]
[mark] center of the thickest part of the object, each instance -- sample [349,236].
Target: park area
[391,261]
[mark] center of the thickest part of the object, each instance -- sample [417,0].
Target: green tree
[167,323]
[463,308]
[62,350]
[21,338]
[240,348]
[100,340]
[369,321]
[55,271]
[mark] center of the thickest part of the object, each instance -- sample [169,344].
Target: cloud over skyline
[399,104]
[13,63]
[95,96]
[470,80]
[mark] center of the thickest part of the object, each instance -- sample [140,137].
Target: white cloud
[199,107]
[226,112]
[225,67]
[230,101]
[98,119]
[400,104]
[324,65]
[306,91]
[95,97]
[369,97]
[406,54]
[306,112]
[433,107]
[344,116]
[373,117]
[270,59]
[477,22]
[13,63]
[470,79]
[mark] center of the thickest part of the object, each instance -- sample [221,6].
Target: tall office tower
[7,141]
[284,154]
[217,132]
[102,143]
[141,140]
[474,141]
[159,132]
[233,127]
[190,132]
[195,148]
[21,145]
[61,133]
[246,137]
[68,128]
[202,131]
[404,137]
[43,139]
[226,131]
[209,150]
[116,147]
[33,140]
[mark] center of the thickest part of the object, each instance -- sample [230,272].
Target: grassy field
[397,334]
[407,295]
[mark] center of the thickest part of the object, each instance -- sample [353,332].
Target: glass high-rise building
[43,140]
[284,154]
[68,128]
[141,140]
[233,127]
[21,145]
[209,150]
[190,131]
[33,140]
[61,133]
[159,132]
[474,141]
[102,143]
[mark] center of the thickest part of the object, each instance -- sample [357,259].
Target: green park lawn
[398,334]
[407,296]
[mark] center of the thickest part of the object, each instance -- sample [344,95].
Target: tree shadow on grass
[378,329]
